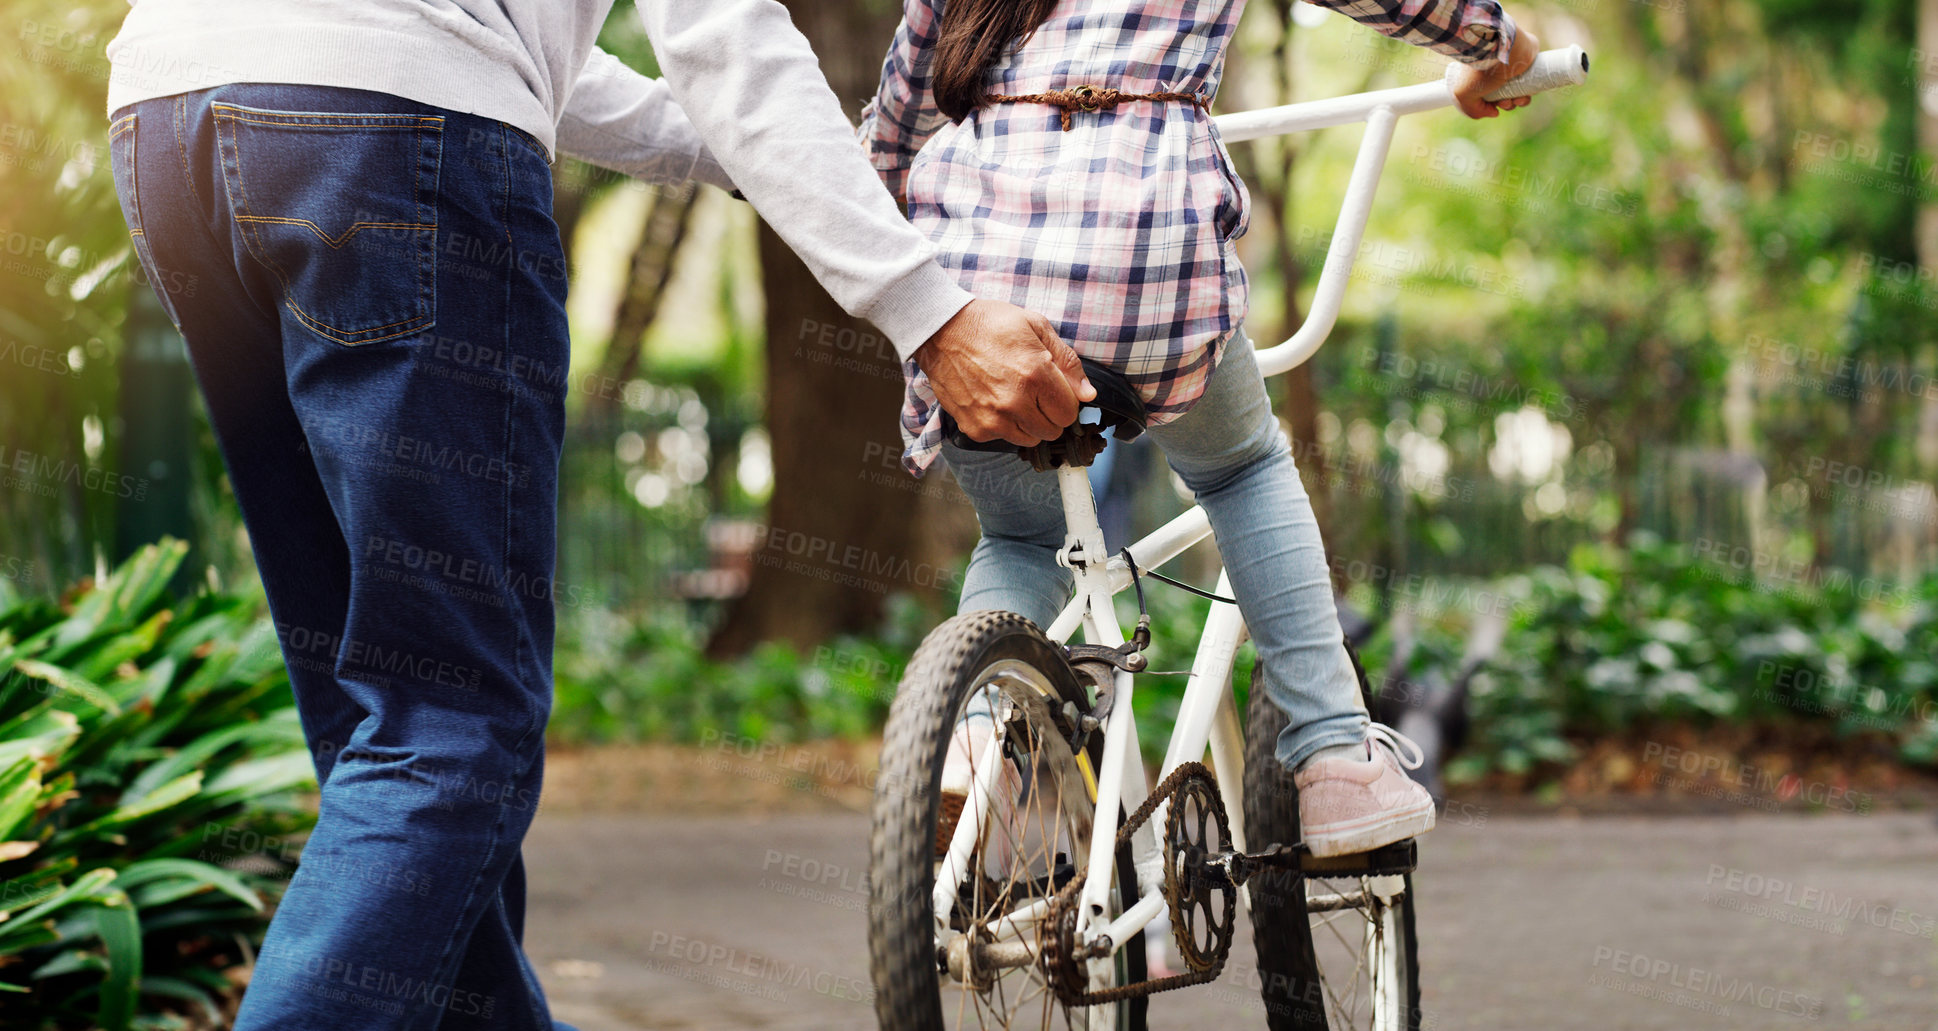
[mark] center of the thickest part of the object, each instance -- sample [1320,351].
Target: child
[1060,155]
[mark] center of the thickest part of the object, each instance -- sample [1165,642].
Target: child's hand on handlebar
[1470,84]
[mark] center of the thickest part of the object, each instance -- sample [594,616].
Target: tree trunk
[842,521]
[1267,168]
[573,185]
[1926,71]
[651,268]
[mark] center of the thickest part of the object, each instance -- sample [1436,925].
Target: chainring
[1191,886]
[1061,955]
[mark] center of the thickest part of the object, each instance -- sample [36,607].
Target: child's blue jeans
[1231,452]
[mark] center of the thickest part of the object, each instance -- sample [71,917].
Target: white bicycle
[1027,909]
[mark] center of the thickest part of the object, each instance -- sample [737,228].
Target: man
[357,197]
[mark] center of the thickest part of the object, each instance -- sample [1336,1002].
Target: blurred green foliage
[145,745]
[1614,641]
[65,275]
[1708,250]
[1645,260]
[1624,639]
[646,678]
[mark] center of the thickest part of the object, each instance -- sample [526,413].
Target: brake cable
[1136,579]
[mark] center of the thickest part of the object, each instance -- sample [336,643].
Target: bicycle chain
[1057,937]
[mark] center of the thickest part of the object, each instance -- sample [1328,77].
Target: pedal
[1388,860]
[1235,868]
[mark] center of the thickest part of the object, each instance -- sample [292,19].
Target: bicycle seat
[1120,411]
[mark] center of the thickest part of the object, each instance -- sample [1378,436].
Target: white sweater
[743,103]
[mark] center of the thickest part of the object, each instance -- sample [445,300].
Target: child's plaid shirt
[1119,231]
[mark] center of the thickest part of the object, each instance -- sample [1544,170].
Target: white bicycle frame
[1207,717]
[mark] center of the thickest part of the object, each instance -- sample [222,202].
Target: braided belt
[1090,98]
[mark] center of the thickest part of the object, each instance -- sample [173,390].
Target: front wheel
[1336,948]
[992,688]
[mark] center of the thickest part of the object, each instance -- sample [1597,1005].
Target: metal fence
[653,511]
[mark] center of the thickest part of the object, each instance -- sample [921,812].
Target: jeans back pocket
[342,209]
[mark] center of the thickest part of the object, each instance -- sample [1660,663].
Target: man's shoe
[1349,805]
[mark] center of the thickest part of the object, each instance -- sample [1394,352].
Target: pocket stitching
[259,250]
[538,149]
[336,335]
[355,228]
[125,126]
[181,148]
[421,124]
[144,257]
[252,235]
[318,119]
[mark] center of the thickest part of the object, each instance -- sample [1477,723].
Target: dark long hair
[973,35]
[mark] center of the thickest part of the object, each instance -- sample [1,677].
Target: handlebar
[1380,110]
[1552,69]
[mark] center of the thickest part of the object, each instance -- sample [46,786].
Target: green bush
[143,744]
[645,677]
[1616,640]
[1620,638]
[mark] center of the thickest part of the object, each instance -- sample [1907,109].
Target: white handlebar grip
[1552,69]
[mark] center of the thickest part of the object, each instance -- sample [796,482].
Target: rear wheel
[975,965]
[1336,946]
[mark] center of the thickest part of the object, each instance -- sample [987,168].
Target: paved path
[1527,922]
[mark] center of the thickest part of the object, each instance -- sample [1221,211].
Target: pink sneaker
[1357,805]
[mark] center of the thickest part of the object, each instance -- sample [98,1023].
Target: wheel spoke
[1362,970]
[1030,834]
[1355,933]
[1340,987]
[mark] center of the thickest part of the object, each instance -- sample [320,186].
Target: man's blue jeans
[1231,452]
[372,292]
